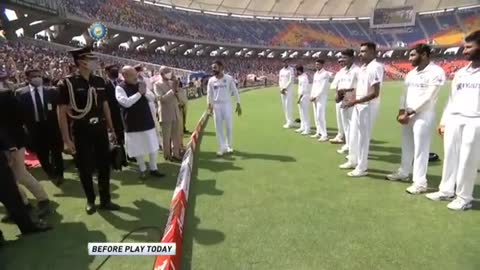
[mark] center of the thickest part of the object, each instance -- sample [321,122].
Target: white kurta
[139,143]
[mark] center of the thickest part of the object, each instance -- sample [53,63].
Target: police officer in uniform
[82,99]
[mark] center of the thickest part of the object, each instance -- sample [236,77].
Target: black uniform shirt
[80,88]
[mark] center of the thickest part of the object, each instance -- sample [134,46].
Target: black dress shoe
[90,208]
[2,239]
[59,181]
[44,208]
[176,160]
[157,174]
[39,226]
[110,206]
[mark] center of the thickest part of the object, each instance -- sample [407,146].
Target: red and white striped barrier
[174,228]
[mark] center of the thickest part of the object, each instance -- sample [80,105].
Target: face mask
[216,72]
[114,74]
[37,81]
[92,65]
[168,76]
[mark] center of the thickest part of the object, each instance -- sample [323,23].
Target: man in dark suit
[115,111]
[39,106]
[9,194]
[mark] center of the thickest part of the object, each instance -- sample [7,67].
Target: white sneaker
[397,177]
[438,196]
[299,130]
[343,150]
[229,150]
[323,139]
[414,189]
[459,204]
[287,126]
[357,173]
[220,153]
[305,132]
[336,140]
[347,166]
[315,136]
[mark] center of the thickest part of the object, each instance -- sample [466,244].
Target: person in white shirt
[319,95]
[286,79]
[219,92]
[340,137]
[365,107]
[460,128]
[347,81]
[417,116]
[304,89]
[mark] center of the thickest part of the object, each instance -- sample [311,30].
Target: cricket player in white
[304,90]
[319,95]
[365,107]
[286,79]
[339,138]
[219,98]
[347,81]
[417,116]
[460,127]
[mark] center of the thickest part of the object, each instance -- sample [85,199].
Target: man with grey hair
[166,89]
[140,134]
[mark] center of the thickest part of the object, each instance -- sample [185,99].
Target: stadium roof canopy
[310,8]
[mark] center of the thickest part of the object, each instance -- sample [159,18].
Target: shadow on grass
[245,155]
[64,247]
[145,213]
[192,232]
[73,189]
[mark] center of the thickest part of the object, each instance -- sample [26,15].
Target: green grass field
[279,202]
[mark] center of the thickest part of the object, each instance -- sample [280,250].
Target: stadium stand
[441,28]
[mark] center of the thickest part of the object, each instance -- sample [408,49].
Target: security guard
[82,100]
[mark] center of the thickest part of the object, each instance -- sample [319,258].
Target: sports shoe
[357,173]
[459,204]
[315,136]
[438,196]
[220,153]
[299,130]
[230,150]
[343,150]
[347,166]
[287,126]
[305,133]
[397,177]
[336,140]
[414,189]
[323,139]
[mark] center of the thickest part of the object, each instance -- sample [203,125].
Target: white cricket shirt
[286,78]
[346,78]
[304,85]
[369,74]
[422,88]
[221,90]
[321,79]
[464,99]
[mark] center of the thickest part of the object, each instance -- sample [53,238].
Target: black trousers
[48,146]
[93,153]
[11,199]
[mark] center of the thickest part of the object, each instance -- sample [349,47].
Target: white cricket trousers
[416,139]
[461,145]
[338,111]
[346,118]
[287,105]
[304,114]
[319,108]
[223,116]
[361,126]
